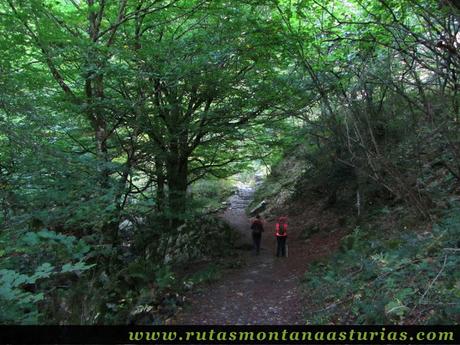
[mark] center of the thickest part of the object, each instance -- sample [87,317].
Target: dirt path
[266,290]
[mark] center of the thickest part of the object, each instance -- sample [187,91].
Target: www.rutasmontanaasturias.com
[285,335]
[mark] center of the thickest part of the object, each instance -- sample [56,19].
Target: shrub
[409,277]
[32,267]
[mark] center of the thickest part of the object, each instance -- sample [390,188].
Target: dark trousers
[256,239]
[281,246]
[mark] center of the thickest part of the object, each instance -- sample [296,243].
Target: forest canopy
[117,112]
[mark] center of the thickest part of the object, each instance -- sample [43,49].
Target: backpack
[281,226]
[256,227]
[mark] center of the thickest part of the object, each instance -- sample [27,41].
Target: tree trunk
[177,172]
[160,176]
[94,92]
[100,129]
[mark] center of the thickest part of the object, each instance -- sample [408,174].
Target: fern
[39,259]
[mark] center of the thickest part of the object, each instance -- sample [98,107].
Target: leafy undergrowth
[36,267]
[279,185]
[162,295]
[150,290]
[402,276]
[48,277]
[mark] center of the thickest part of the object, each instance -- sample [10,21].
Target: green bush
[408,277]
[209,274]
[30,269]
[209,194]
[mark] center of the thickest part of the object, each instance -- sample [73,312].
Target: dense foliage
[120,122]
[403,276]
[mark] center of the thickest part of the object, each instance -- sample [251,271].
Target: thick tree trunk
[177,172]
[94,92]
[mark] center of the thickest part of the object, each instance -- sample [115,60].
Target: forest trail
[266,289]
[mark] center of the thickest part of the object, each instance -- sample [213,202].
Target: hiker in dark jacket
[257,230]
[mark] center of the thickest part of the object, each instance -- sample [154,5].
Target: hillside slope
[392,266]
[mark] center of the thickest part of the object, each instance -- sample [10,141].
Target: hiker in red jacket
[257,230]
[281,236]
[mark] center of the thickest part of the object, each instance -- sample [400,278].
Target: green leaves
[30,269]
[113,109]
[45,270]
[77,267]
[59,242]
[13,279]
[396,308]
[386,283]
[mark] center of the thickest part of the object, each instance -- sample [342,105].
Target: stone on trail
[259,208]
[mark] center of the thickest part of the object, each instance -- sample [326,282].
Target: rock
[259,179]
[125,225]
[128,225]
[259,208]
